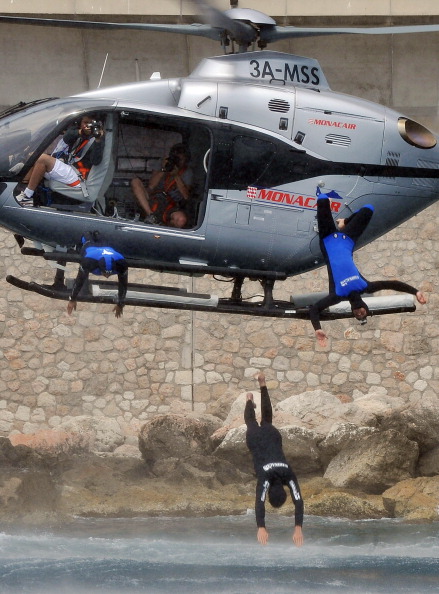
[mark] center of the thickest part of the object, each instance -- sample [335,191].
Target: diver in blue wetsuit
[100,260]
[345,281]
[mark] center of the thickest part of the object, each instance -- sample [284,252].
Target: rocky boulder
[174,436]
[75,435]
[414,499]
[418,423]
[234,449]
[375,463]
[181,448]
[428,463]
[341,436]
[300,449]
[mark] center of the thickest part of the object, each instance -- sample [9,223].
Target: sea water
[221,555]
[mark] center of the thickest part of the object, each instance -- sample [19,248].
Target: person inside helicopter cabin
[100,259]
[271,467]
[337,243]
[168,190]
[80,148]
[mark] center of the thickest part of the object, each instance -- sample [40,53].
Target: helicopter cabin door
[255,198]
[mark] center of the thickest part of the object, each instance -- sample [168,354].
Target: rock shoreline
[366,458]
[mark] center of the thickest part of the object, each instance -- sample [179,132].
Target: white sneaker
[24,200]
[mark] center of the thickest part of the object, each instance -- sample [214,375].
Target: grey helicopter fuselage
[264,130]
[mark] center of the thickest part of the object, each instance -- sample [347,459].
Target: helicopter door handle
[217,197]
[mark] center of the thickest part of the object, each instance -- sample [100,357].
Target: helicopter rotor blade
[193,29]
[270,34]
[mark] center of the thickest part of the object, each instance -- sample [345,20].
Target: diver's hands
[261,379]
[298,536]
[341,223]
[118,311]
[71,307]
[322,339]
[262,536]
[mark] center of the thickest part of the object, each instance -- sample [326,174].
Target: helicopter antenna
[103,70]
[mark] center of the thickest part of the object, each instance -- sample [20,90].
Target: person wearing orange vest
[168,191]
[82,148]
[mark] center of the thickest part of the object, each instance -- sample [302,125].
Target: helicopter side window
[251,157]
[257,161]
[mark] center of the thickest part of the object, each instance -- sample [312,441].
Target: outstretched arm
[122,277]
[298,506]
[395,285]
[81,277]
[261,490]
[266,408]
[314,316]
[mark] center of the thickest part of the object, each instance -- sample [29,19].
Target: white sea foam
[210,555]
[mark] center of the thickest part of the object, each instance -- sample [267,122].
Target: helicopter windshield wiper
[22,105]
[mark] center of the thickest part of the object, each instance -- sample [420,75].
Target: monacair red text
[295,200]
[332,124]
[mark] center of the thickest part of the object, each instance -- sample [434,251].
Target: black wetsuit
[265,444]
[345,281]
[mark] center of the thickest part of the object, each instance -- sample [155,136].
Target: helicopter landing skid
[175,298]
[164,297]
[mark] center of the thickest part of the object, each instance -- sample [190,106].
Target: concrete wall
[53,366]
[399,71]
[318,8]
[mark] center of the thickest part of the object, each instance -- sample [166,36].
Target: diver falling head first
[345,281]
[272,470]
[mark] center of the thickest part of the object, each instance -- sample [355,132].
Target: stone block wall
[151,361]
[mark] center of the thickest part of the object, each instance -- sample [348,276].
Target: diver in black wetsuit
[345,281]
[272,470]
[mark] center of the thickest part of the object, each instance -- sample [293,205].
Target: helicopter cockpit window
[23,133]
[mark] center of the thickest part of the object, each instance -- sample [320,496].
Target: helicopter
[266,134]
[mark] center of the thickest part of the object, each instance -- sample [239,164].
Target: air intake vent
[426,182]
[392,159]
[337,139]
[279,105]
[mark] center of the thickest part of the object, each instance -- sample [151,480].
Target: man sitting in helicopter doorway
[100,259]
[70,164]
[168,191]
[345,281]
